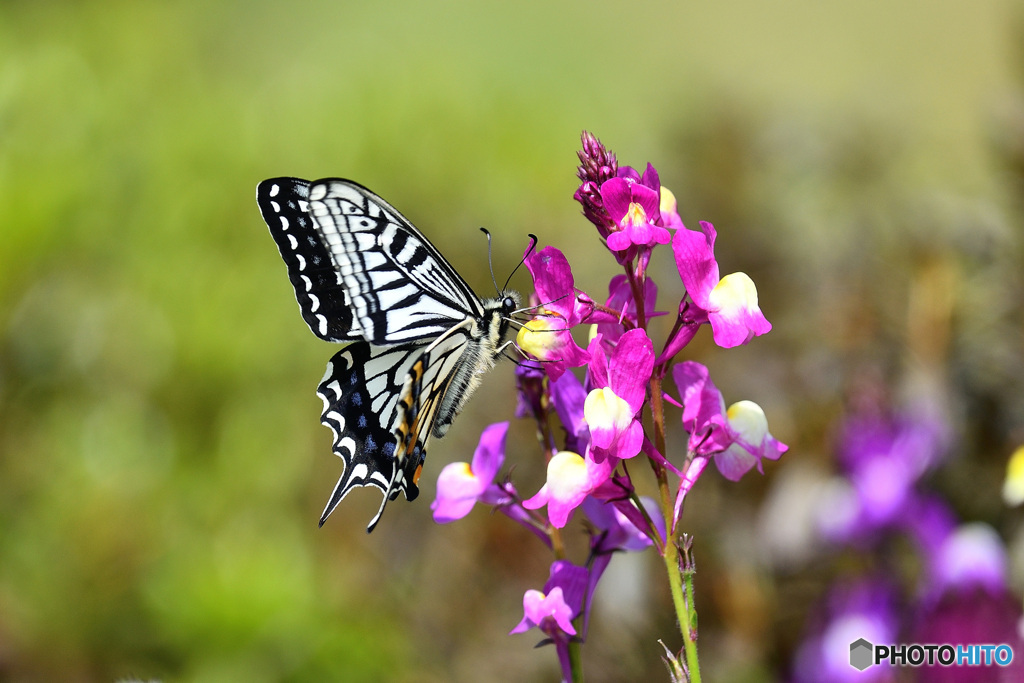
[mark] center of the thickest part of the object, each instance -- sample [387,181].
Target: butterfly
[417,339]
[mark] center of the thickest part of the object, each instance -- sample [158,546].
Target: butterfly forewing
[402,289]
[322,297]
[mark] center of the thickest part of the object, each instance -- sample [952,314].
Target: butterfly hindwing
[323,300]
[401,288]
[382,404]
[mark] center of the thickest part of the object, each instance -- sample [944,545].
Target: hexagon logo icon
[861,654]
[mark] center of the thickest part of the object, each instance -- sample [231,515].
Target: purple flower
[548,336]
[730,302]
[737,437]
[634,204]
[619,382]
[460,485]
[529,389]
[972,556]
[553,609]
[621,526]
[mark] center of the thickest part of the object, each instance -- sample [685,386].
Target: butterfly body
[418,340]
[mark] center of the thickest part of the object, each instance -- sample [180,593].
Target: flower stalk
[590,429]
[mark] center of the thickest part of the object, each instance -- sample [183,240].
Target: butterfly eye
[509,304]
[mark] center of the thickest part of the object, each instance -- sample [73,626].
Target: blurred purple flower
[883,458]
[529,389]
[865,610]
[970,603]
[620,525]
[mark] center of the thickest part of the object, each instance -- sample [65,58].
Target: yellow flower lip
[635,215]
[603,408]
[1013,486]
[747,418]
[567,472]
[668,202]
[734,291]
[536,339]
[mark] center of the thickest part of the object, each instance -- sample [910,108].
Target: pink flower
[730,302]
[552,610]
[460,485]
[570,479]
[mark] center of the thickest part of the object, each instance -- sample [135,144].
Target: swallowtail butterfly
[417,338]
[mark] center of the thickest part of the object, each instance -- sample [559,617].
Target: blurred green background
[162,465]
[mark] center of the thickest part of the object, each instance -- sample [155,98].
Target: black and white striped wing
[382,404]
[401,288]
[325,305]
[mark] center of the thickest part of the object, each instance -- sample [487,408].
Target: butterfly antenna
[527,308]
[533,244]
[490,264]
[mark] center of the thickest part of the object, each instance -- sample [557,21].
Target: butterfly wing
[325,305]
[382,403]
[400,286]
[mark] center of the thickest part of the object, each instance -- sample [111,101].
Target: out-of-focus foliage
[161,463]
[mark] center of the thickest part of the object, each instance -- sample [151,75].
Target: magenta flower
[619,384]
[634,204]
[568,398]
[548,336]
[730,302]
[737,437]
[460,485]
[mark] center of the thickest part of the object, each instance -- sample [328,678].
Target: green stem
[575,661]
